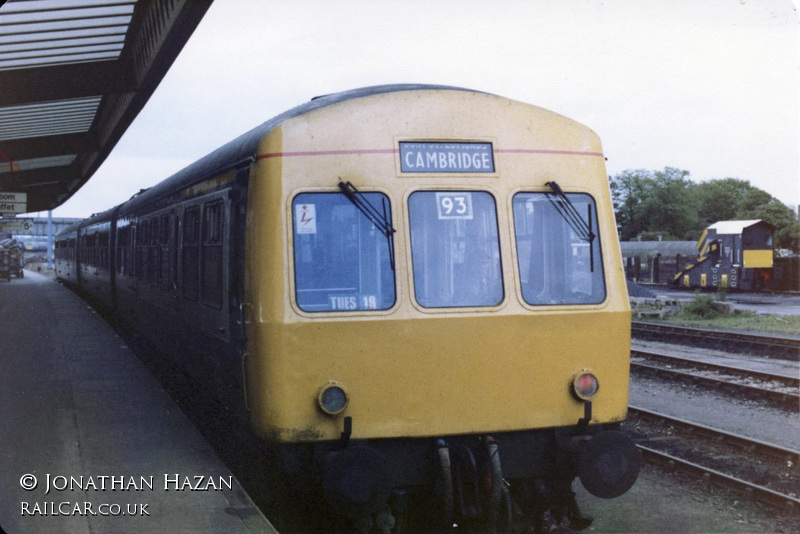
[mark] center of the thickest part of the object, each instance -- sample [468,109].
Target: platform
[89,441]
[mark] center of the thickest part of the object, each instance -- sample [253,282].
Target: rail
[741,373]
[745,443]
[789,401]
[732,467]
[788,504]
[775,346]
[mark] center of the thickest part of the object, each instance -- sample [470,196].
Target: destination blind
[442,157]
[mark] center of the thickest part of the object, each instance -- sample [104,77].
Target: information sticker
[305,218]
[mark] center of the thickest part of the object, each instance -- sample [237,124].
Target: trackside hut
[735,254]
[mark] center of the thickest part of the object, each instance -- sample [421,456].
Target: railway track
[789,382]
[764,472]
[773,346]
[779,390]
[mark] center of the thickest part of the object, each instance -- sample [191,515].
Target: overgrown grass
[700,308]
[702,314]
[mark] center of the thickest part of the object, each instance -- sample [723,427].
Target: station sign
[15,226]
[13,203]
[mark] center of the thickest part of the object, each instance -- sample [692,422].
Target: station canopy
[73,76]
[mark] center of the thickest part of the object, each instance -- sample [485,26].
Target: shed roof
[651,249]
[734,227]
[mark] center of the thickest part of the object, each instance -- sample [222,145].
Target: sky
[708,86]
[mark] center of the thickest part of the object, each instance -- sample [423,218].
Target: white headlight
[332,398]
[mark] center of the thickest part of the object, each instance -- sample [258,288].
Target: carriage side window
[556,264]
[154,252]
[103,243]
[211,272]
[455,249]
[130,260]
[90,249]
[190,259]
[176,239]
[140,250]
[125,247]
[122,245]
[163,268]
[342,261]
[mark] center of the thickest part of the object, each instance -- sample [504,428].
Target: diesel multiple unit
[408,290]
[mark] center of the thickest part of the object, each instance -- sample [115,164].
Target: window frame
[212,237]
[190,285]
[598,253]
[294,286]
[500,236]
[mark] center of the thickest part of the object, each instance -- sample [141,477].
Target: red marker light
[585,386]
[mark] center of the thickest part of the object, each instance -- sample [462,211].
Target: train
[414,293]
[32,243]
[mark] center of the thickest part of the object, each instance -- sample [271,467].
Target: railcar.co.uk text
[62,483]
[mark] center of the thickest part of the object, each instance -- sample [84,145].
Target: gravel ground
[673,503]
[752,419]
[778,474]
[662,503]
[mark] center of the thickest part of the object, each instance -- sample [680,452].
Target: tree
[759,204]
[658,202]
[720,199]
[669,204]
[627,191]
[671,207]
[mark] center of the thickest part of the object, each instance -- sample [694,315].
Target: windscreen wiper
[379,219]
[570,214]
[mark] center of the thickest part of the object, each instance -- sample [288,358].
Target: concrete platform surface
[89,441]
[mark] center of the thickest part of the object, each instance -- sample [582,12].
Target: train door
[189,266]
[203,263]
[214,266]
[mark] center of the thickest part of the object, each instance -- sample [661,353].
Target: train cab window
[558,262]
[455,249]
[342,261]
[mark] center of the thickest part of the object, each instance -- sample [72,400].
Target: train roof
[94,218]
[241,151]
